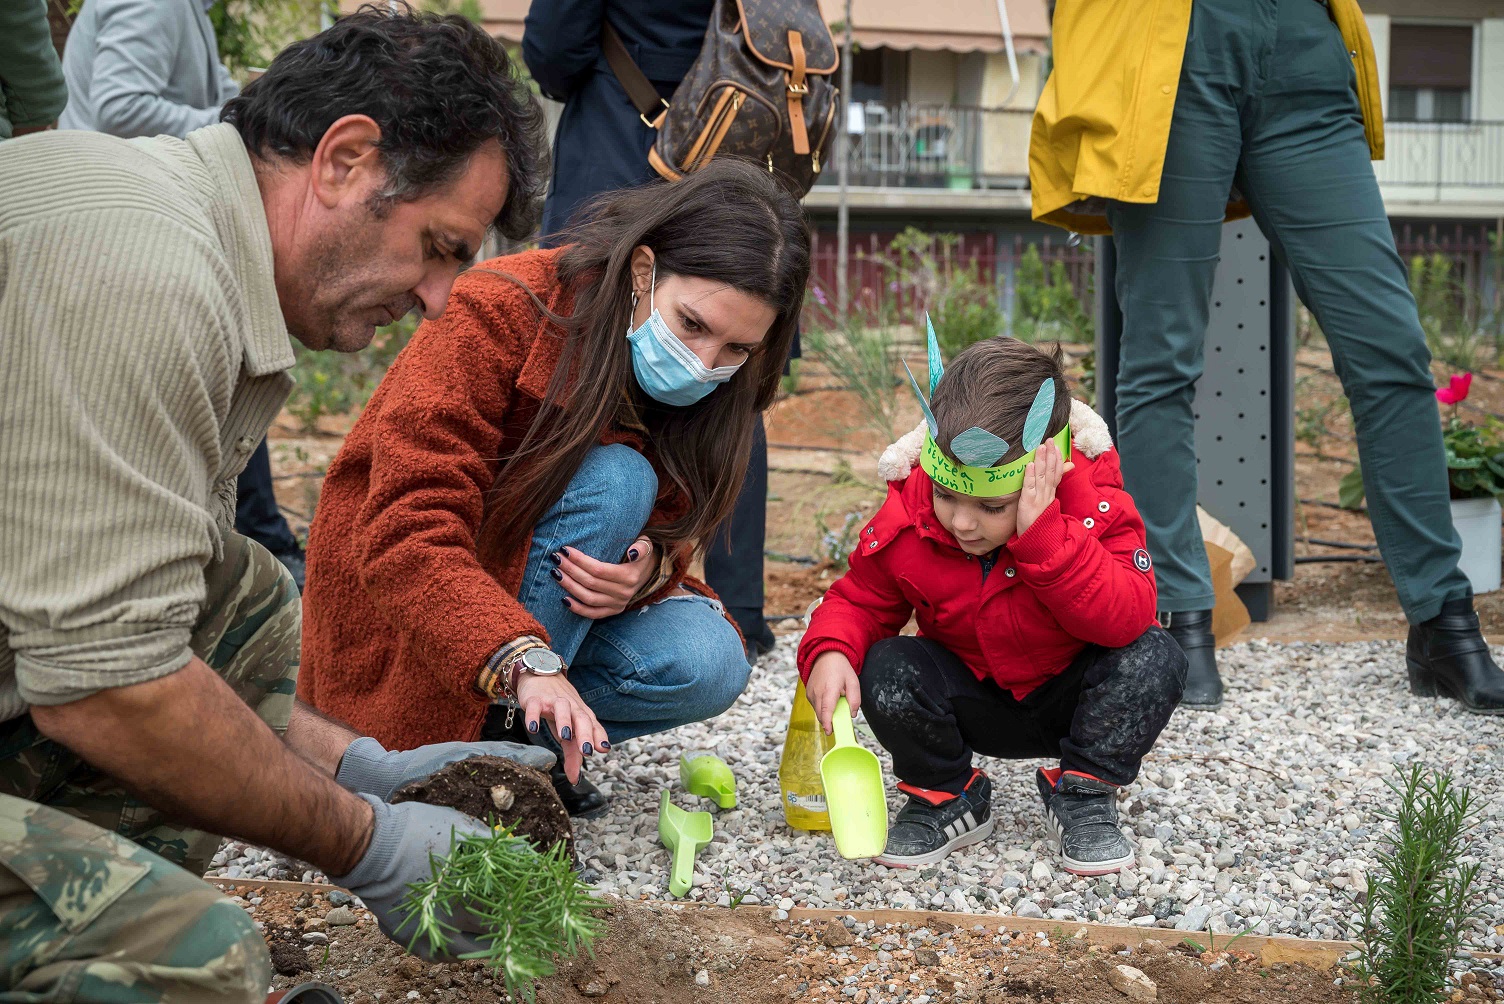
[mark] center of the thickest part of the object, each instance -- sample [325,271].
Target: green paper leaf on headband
[937,368]
[1038,421]
[929,416]
[976,447]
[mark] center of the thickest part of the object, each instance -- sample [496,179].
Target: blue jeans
[646,670]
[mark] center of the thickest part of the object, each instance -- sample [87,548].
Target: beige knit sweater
[142,357]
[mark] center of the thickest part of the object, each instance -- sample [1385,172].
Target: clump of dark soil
[492,788]
[288,959]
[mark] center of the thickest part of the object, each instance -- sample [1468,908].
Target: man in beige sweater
[148,290]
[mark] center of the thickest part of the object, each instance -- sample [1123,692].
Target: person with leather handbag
[618,67]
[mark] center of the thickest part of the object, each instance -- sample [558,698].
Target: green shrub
[965,311]
[1448,315]
[337,383]
[534,906]
[1045,305]
[1421,898]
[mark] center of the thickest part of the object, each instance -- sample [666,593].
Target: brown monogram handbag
[760,89]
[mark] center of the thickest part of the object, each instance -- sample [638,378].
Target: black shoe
[759,637]
[582,800]
[1192,631]
[1083,812]
[934,823]
[294,561]
[1447,655]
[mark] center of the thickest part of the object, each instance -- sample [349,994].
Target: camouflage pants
[97,903]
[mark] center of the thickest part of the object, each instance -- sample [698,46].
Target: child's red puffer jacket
[1081,575]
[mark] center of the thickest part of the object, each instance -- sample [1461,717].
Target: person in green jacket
[32,91]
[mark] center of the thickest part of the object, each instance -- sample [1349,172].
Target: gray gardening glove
[402,838]
[370,769]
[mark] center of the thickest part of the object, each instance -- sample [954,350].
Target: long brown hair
[991,385]
[729,222]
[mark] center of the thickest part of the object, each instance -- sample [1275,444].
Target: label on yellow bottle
[804,745]
[814,803]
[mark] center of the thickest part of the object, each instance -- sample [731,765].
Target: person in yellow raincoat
[1160,120]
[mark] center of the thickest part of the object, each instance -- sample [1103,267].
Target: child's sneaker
[1083,812]
[934,823]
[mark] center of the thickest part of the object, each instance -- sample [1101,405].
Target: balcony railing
[937,146]
[1441,160]
[911,145]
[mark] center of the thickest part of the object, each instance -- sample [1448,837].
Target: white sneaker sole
[1086,869]
[930,857]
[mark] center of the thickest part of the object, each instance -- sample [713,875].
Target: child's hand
[1041,478]
[830,677]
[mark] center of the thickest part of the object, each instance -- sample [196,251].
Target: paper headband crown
[976,448]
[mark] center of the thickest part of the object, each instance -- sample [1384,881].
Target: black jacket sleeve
[561,40]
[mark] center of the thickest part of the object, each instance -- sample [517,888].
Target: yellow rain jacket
[1103,121]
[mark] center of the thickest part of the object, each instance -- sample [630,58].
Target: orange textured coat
[399,613]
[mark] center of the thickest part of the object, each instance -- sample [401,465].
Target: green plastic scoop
[854,795]
[683,833]
[705,774]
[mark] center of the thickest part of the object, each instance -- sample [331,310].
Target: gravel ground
[1261,815]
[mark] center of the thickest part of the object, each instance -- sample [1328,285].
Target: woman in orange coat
[501,544]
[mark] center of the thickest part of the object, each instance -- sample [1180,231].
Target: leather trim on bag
[820,48]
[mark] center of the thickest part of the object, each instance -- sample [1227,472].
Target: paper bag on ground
[1213,531]
[1229,616]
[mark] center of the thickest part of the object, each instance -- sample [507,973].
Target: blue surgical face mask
[667,370]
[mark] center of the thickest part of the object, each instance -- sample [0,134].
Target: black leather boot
[581,799]
[1447,655]
[1192,631]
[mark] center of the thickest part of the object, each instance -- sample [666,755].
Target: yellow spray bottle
[799,772]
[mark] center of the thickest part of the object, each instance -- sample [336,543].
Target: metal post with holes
[1245,428]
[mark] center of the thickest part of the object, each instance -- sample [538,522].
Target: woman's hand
[831,676]
[554,700]
[598,589]
[1041,478]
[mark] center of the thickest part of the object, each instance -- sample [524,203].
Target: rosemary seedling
[1421,899]
[531,905]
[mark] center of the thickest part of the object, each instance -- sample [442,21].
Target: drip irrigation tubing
[813,449]
[1332,505]
[1320,542]
[1319,559]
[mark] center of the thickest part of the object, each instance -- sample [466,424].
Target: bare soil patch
[661,954]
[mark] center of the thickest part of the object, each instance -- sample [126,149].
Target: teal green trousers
[1267,104]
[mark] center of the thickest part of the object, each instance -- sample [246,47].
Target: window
[1430,73]
[877,74]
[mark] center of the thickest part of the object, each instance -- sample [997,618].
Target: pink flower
[1455,392]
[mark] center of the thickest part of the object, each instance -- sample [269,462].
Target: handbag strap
[640,90]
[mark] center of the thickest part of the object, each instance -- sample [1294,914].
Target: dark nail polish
[532,726]
[565,601]
[605,744]
[568,733]
[558,557]
[632,554]
[587,749]
[558,575]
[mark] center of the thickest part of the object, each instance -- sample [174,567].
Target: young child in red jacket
[1023,560]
